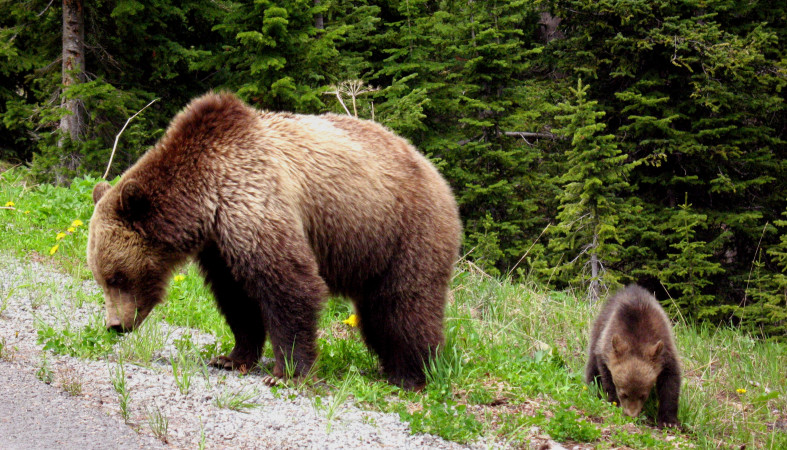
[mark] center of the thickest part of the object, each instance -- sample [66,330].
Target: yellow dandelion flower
[740,391]
[178,278]
[352,320]
[60,236]
[27,212]
[614,403]
[9,204]
[71,229]
[53,250]
[584,388]
[77,223]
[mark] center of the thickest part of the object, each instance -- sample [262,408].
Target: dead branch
[353,89]
[114,147]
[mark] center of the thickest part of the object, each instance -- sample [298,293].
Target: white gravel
[288,420]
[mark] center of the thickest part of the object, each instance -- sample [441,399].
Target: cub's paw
[228,363]
[668,423]
[415,384]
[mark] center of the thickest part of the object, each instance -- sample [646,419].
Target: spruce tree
[592,194]
[689,265]
[766,307]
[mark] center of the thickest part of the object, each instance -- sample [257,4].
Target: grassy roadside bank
[510,371]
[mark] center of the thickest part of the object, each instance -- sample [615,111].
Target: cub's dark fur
[631,350]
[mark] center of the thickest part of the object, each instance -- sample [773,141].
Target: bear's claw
[271,381]
[668,423]
[227,363]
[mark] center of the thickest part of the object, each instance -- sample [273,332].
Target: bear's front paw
[271,381]
[228,363]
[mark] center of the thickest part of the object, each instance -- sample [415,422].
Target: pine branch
[527,134]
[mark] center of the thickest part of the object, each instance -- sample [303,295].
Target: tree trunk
[318,23]
[73,73]
[594,284]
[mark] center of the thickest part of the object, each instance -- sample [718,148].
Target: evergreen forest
[590,144]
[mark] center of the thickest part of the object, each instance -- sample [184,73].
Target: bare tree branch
[114,147]
[47,7]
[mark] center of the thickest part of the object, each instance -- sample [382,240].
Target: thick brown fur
[280,210]
[632,350]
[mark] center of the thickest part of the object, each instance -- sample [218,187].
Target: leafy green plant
[93,341]
[447,419]
[566,424]
[639,440]
[44,372]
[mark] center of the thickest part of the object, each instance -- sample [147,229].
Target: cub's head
[131,268]
[634,374]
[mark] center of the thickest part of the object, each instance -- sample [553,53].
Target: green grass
[118,380]
[236,400]
[511,368]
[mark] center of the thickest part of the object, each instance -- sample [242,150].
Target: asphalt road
[34,415]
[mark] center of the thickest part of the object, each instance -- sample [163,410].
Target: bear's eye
[624,396]
[116,280]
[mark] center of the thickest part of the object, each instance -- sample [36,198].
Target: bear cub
[631,351]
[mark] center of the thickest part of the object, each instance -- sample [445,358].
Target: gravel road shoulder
[37,415]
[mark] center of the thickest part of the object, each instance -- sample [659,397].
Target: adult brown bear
[632,350]
[279,210]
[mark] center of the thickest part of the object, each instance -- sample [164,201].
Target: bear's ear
[656,350]
[134,202]
[99,190]
[618,345]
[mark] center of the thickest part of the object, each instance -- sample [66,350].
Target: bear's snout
[117,328]
[113,324]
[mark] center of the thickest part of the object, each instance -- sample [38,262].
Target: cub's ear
[134,202]
[656,350]
[618,345]
[99,190]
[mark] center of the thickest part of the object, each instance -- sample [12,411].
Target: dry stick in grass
[114,147]
[674,305]
[528,251]
[751,267]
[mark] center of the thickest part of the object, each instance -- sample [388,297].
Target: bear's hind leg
[242,313]
[405,329]
[592,374]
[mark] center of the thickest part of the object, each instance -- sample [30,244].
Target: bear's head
[130,267]
[634,373]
